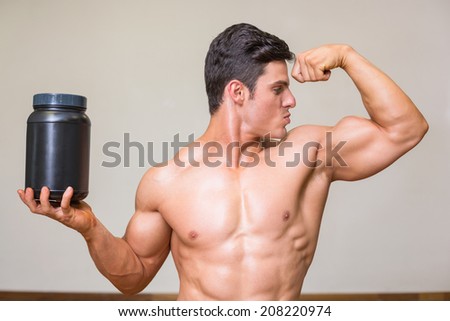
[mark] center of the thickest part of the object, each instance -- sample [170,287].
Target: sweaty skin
[243,224]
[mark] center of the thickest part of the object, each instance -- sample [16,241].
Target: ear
[236,91]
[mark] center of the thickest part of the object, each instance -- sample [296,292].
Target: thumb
[326,75]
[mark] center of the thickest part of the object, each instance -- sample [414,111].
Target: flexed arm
[395,125]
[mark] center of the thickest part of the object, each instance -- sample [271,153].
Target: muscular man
[242,217]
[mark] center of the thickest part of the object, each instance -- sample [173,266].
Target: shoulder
[153,187]
[164,174]
[158,181]
[307,134]
[307,144]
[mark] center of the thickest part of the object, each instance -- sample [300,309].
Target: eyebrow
[281,82]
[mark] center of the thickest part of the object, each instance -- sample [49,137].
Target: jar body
[57,151]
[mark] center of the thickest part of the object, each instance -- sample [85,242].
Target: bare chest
[207,208]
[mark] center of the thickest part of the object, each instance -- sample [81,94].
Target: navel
[286,216]
[193,235]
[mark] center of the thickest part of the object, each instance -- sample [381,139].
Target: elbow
[425,127]
[129,292]
[129,286]
[409,135]
[417,132]
[420,130]
[128,289]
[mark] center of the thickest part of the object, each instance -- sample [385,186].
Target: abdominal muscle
[243,267]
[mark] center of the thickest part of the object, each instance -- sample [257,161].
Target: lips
[287,118]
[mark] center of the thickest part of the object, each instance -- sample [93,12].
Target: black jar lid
[54,100]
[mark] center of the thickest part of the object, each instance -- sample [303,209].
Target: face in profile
[266,112]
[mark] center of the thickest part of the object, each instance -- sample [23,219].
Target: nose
[289,101]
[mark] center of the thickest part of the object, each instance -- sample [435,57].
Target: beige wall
[140,63]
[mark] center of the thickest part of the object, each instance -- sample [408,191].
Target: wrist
[347,54]
[90,232]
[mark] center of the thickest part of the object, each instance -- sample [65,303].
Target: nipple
[193,235]
[286,216]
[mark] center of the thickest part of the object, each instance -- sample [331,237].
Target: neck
[226,128]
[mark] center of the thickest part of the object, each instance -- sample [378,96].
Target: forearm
[115,259]
[388,106]
[130,262]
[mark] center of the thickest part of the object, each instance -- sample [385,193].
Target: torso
[247,232]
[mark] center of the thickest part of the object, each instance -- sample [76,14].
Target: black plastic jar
[58,142]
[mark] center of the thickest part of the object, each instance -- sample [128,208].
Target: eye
[277,90]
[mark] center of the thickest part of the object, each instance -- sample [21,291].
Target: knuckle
[310,59]
[307,59]
[36,211]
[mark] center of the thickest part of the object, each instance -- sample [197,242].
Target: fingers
[42,207]
[299,71]
[27,198]
[306,71]
[45,207]
[65,202]
[313,65]
[78,217]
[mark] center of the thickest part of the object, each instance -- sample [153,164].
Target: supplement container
[58,142]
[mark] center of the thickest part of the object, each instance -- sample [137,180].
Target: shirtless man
[240,217]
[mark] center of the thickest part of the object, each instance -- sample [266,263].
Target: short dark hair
[240,52]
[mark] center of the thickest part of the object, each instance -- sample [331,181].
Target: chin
[277,134]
